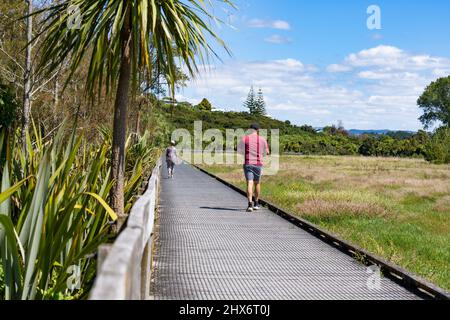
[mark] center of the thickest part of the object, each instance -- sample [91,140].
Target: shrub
[8,107]
[438,148]
[53,211]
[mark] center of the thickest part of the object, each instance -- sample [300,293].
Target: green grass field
[396,208]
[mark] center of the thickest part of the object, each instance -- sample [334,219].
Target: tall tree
[28,73]
[12,42]
[260,104]
[250,103]
[118,36]
[18,27]
[205,105]
[435,103]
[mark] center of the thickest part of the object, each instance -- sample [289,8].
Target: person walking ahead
[171,159]
[254,148]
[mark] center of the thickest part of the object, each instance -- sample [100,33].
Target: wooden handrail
[124,268]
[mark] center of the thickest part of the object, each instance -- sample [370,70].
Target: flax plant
[53,214]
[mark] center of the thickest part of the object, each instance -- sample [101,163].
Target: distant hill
[393,133]
[358,132]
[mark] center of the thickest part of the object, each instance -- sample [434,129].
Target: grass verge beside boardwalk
[396,208]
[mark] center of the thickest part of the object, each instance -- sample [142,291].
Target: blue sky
[318,63]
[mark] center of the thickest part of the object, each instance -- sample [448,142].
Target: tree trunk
[27,76]
[120,126]
[56,101]
[138,117]
[138,122]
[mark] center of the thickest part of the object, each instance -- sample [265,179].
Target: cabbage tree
[119,37]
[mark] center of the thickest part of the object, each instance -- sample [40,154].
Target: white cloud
[271,24]
[441,72]
[379,89]
[334,68]
[281,25]
[277,39]
[392,58]
[386,74]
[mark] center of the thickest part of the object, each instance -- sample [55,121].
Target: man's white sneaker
[250,209]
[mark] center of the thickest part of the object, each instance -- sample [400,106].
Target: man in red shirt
[254,148]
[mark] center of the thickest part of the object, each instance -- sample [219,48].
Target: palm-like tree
[118,37]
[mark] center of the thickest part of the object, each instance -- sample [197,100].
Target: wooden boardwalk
[209,248]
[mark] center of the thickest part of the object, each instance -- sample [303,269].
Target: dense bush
[437,150]
[319,144]
[53,211]
[204,105]
[8,106]
[386,146]
[184,117]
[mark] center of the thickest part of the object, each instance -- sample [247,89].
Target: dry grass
[325,209]
[331,202]
[443,204]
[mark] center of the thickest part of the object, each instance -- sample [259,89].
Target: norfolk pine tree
[260,104]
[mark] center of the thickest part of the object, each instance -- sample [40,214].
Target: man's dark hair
[255,126]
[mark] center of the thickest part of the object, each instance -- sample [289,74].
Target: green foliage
[260,104]
[53,211]
[306,128]
[250,102]
[335,130]
[435,102]
[8,107]
[185,104]
[158,127]
[204,105]
[184,117]
[386,146]
[155,27]
[437,149]
[368,146]
[399,135]
[308,143]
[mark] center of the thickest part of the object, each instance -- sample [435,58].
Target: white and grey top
[171,154]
